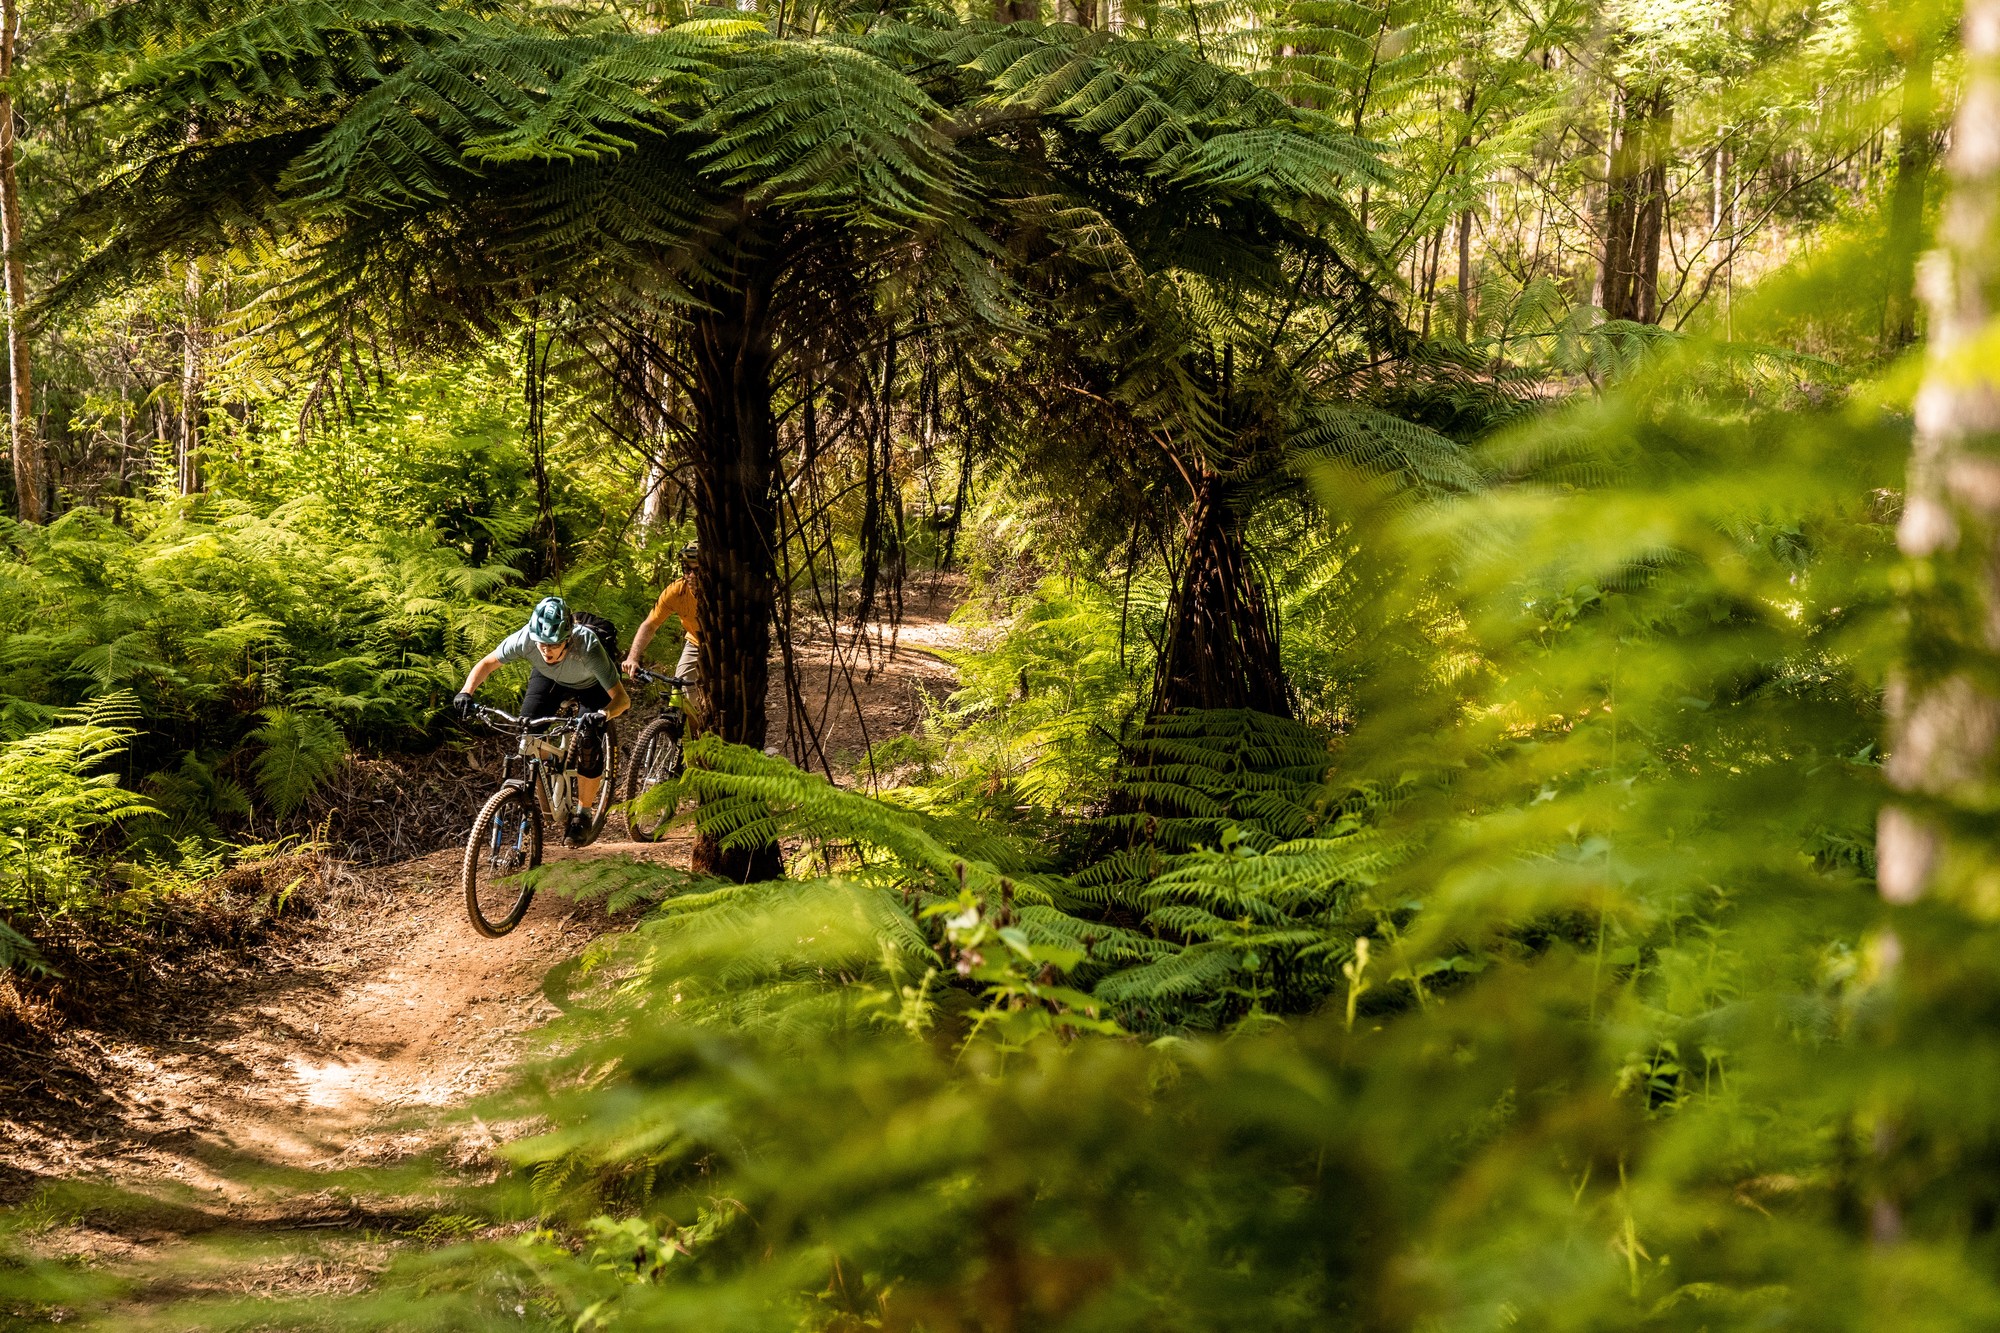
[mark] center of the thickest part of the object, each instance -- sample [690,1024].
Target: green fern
[55,804]
[301,751]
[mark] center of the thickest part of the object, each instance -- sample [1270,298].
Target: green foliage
[56,806]
[1536,978]
[301,750]
[213,616]
[438,448]
[1046,696]
[1604,1033]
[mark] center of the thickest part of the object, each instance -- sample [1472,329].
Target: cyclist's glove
[462,704]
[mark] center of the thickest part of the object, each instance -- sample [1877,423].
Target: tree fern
[1374,441]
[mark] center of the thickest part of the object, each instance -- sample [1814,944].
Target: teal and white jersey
[586,662]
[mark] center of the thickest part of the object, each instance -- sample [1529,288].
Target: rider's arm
[481,669]
[606,675]
[644,635]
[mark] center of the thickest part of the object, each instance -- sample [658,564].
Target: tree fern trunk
[735,460]
[1222,640]
[1944,732]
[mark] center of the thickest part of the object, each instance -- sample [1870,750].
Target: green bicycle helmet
[551,622]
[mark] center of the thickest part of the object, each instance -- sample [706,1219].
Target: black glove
[462,704]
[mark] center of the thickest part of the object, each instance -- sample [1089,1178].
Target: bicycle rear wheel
[506,840]
[656,758]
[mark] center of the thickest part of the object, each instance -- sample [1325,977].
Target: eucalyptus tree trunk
[653,515]
[735,461]
[650,418]
[187,441]
[1222,638]
[1635,204]
[1944,704]
[31,468]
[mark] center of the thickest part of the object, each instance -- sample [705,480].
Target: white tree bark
[1944,710]
[194,385]
[31,471]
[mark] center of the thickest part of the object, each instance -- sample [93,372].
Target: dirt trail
[312,1063]
[315,1060]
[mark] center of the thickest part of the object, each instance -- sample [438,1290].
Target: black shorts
[543,696]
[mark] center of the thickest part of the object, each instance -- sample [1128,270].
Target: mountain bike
[656,758]
[506,838]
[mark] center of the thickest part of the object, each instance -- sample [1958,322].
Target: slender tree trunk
[1735,190]
[1467,106]
[31,468]
[1433,252]
[958,503]
[1944,707]
[1222,639]
[187,439]
[1916,153]
[1464,273]
[535,360]
[735,462]
[876,540]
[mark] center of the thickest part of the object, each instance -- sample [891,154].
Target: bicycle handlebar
[501,718]
[647,676]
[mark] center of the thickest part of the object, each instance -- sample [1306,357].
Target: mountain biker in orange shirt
[677,600]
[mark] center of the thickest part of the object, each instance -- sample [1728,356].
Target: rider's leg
[542,698]
[590,773]
[689,667]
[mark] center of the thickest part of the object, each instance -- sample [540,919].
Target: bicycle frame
[676,688]
[544,753]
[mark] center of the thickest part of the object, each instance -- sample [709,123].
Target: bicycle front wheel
[656,758]
[506,840]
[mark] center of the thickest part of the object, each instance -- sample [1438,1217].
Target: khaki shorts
[689,667]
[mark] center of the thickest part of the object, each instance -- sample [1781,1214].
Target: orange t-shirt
[678,600]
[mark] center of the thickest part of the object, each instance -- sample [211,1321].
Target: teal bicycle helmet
[551,622]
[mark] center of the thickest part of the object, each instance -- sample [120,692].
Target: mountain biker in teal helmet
[565,661]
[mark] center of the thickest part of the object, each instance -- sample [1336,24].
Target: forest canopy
[1469,532]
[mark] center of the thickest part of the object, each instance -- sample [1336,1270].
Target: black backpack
[606,632]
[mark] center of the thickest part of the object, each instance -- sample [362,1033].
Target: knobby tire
[503,807]
[645,774]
